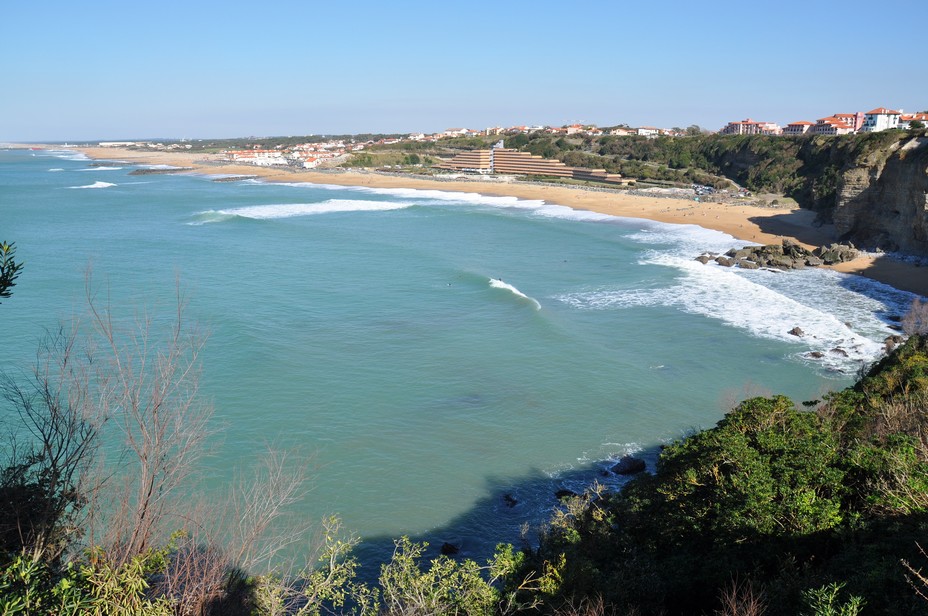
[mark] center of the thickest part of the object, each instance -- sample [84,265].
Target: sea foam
[496,283]
[97,184]
[843,318]
[64,154]
[289,210]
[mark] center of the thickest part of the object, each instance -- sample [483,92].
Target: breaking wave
[496,283]
[290,210]
[95,185]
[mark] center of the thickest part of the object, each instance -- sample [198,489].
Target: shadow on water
[512,511]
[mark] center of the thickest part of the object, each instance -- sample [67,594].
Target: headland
[753,224]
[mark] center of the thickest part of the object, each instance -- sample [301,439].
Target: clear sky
[100,69]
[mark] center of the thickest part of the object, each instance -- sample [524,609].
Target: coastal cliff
[882,199]
[872,186]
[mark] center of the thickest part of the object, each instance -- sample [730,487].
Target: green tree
[9,268]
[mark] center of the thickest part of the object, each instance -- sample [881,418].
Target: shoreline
[751,224]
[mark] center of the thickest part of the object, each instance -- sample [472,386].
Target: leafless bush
[46,470]
[248,531]
[741,599]
[588,607]
[915,320]
[906,414]
[149,385]
[917,579]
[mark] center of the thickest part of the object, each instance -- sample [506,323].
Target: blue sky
[126,70]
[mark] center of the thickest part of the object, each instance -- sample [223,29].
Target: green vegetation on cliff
[780,501]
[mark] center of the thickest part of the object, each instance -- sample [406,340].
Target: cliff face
[882,198]
[873,186]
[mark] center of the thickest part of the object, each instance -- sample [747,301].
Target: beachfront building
[472,161]
[123,144]
[879,119]
[751,127]
[796,129]
[647,131]
[513,162]
[261,158]
[832,125]
[906,119]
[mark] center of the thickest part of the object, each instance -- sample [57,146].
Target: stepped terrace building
[512,162]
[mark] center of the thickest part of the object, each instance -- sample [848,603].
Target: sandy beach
[763,225]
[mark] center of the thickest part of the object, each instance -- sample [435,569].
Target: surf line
[498,283]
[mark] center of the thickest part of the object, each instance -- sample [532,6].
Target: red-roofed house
[854,120]
[879,119]
[906,119]
[831,126]
[751,127]
[794,129]
[621,131]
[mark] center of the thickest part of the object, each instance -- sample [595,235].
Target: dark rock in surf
[449,549]
[629,465]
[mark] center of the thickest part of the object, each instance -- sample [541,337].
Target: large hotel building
[512,162]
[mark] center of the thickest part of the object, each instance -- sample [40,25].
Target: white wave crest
[841,325]
[289,210]
[95,185]
[496,283]
[450,197]
[56,169]
[101,169]
[64,154]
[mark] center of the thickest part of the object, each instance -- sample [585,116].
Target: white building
[906,119]
[879,119]
[751,127]
[795,129]
[832,125]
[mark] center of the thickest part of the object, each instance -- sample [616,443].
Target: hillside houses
[751,127]
[875,120]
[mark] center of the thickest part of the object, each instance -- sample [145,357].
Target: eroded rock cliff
[882,198]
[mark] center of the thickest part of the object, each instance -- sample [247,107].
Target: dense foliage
[790,501]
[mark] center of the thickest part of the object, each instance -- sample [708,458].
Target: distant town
[335,151]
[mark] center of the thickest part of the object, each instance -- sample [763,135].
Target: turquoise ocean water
[424,352]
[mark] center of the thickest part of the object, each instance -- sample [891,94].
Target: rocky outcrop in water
[160,171]
[629,465]
[785,256]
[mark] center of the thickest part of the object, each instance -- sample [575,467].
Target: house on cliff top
[879,119]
